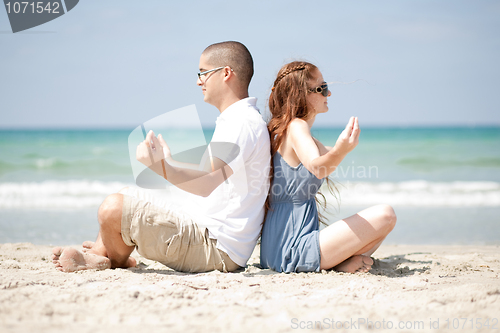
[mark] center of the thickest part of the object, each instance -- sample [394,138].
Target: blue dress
[290,236]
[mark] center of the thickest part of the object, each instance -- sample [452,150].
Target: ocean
[444,183]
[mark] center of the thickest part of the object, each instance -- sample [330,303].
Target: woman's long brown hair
[287,102]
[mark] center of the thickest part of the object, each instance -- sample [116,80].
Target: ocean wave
[6,167]
[421,193]
[33,155]
[57,165]
[430,163]
[57,194]
[86,193]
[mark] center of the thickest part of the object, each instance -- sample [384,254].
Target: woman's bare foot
[355,264]
[71,260]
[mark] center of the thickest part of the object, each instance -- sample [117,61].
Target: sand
[410,288]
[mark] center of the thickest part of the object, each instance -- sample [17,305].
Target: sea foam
[421,193]
[85,193]
[57,194]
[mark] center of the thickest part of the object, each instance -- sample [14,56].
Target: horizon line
[370,126]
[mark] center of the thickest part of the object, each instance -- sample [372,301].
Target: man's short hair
[234,55]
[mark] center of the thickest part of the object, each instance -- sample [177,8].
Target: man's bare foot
[87,245]
[93,248]
[71,260]
[355,264]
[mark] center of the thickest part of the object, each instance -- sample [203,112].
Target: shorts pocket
[154,217]
[173,251]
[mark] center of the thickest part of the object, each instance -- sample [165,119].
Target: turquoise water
[433,154]
[38,155]
[437,154]
[52,181]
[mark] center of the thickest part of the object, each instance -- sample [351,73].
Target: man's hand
[166,148]
[151,151]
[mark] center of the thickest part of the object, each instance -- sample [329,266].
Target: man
[233,183]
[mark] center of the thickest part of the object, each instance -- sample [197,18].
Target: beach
[84,82]
[436,271]
[427,288]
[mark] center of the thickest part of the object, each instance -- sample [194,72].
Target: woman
[291,240]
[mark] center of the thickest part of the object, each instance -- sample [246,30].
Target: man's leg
[110,243]
[87,245]
[109,250]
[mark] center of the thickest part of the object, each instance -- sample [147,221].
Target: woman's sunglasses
[323,89]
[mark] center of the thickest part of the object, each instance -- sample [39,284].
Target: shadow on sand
[392,266]
[399,266]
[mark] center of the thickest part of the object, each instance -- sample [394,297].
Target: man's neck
[230,101]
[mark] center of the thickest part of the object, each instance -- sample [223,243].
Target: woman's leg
[350,242]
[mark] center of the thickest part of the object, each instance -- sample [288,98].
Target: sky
[118,63]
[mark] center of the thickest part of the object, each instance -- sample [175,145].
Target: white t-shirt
[233,213]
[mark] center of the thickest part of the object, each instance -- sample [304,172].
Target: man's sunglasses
[322,89]
[200,74]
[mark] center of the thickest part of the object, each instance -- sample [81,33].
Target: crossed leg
[108,251]
[347,245]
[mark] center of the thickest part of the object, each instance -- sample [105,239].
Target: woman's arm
[322,148]
[319,160]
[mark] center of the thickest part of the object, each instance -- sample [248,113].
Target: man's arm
[183,165]
[151,152]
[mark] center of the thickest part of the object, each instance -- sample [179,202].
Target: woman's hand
[349,137]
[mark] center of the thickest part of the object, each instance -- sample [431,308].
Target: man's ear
[228,73]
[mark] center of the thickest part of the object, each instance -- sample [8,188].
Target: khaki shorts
[171,238]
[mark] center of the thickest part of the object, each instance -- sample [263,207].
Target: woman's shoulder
[298,128]
[298,124]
